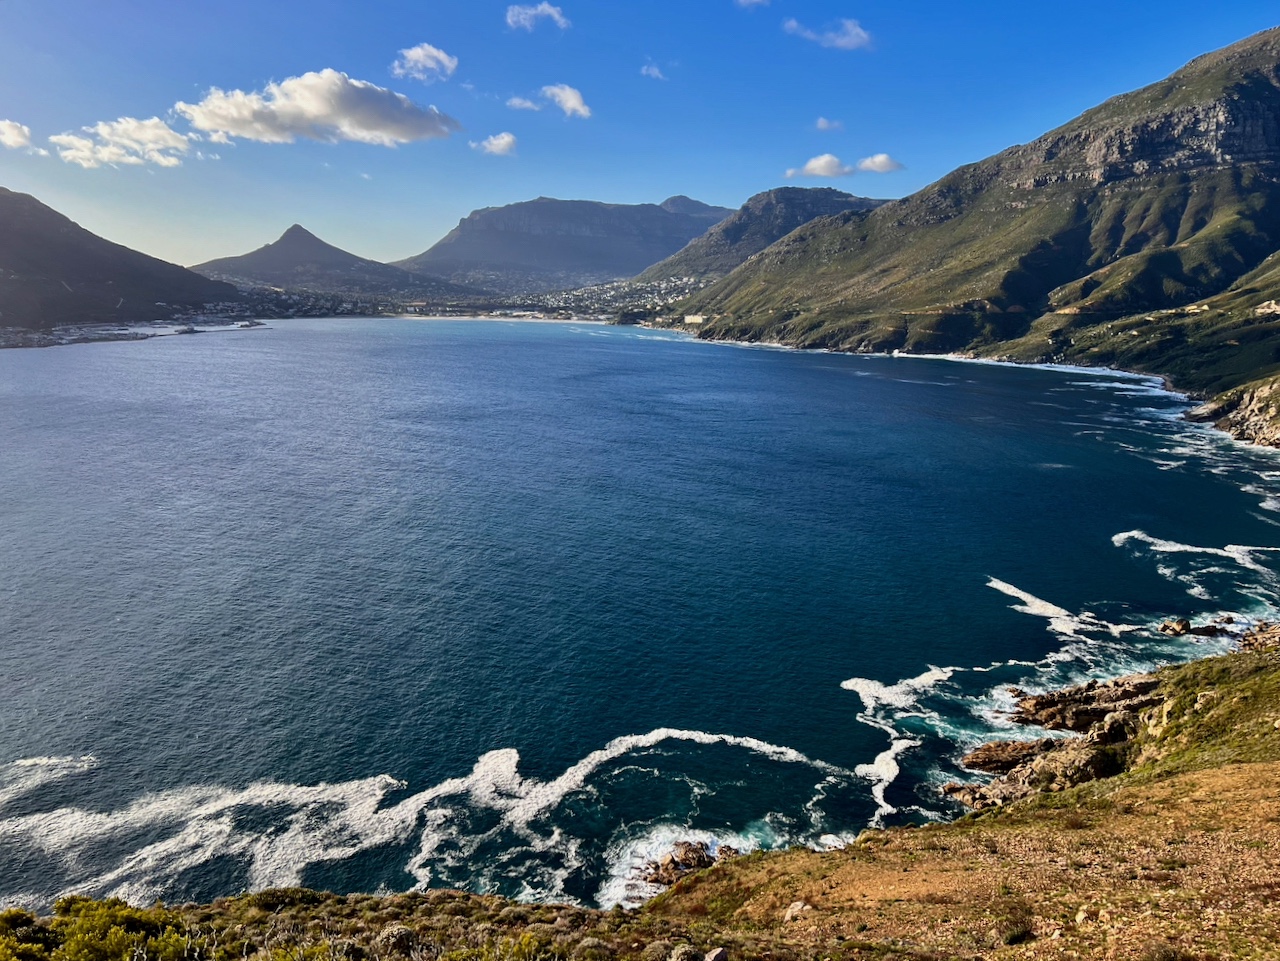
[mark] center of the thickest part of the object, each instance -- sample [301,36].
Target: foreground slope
[299,260]
[1138,234]
[547,244]
[54,272]
[1171,859]
[764,219]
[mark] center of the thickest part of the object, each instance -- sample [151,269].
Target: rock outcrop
[684,858]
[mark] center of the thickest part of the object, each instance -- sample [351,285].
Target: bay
[511,607]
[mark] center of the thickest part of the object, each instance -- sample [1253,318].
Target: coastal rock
[684,858]
[1108,715]
[1079,708]
[1263,637]
[1001,757]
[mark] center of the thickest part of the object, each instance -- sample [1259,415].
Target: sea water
[382,604]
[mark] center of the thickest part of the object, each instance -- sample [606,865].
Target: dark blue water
[377,604]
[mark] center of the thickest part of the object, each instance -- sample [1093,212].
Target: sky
[193,130]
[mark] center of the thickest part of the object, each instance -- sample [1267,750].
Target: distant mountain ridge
[547,244]
[764,219]
[54,272]
[1143,234]
[299,260]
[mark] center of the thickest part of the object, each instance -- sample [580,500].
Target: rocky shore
[1107,719]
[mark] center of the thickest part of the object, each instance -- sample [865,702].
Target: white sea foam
[1061,621]
[1242,555]
[903,694]
[26,775]
[311,825]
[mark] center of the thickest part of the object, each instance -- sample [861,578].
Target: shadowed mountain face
[300,260]
[546,244]
[764,219]
[53,272]
[1138,234]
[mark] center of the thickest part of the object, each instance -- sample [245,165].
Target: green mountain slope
[54,272]
[765,218]
[1138,234]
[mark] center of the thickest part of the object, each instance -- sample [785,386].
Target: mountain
[1143,234]
[53,272]
[547,244]
[300,260]
[765,218]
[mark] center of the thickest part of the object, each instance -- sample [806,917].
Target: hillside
[545,244]
[299,260]
[54,272]
[764,219]
[1172,858]
[1142,234]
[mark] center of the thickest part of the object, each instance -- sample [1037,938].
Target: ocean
[370,605]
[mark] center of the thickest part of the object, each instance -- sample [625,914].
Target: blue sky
[268,114]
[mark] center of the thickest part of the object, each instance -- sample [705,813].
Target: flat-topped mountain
[545,244]
[764,219]
[300,260]
[53,272]
[1136,235]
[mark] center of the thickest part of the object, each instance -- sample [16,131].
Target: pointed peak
[298,232]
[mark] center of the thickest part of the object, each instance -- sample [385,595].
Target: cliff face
[548,244]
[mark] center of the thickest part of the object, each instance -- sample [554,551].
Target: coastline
[1249,414]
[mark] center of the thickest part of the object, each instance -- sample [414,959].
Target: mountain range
[764,219]
[1144,234]
[299,260]
[54,272]
[545,244]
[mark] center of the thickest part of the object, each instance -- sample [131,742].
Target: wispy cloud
[880,163]
[523,103]
[526,18]
[567,99]
[826,165]
[500,144]
[653,71]
[127,141]
[825,124]
[327,105]
[14,135]
[848,35]
[752,3]
[425,62]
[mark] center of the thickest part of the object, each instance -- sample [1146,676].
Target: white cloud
[13,135]
[425,62]
[327,105]
[651,70]
[520,103]
[567,99]
[826,165]
[880,163]
[526,18]
[849,36]
[752,3]
[125,141]
[500,144]
[825,124]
